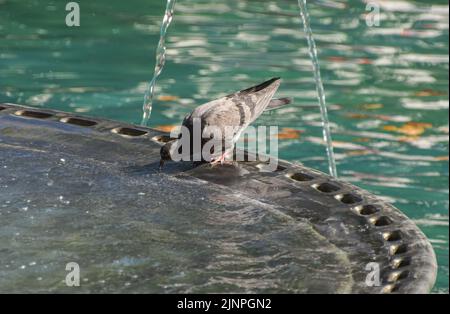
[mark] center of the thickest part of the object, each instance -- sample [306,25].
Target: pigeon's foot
[221,160]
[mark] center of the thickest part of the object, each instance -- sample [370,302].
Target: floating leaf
[289,134]
[390,118]
[357,115]
[425,125]
[395,118]
[362,139]
[336,59]
[167,98]
[429,92]
[391,128]
[409,128]
[358,152]
[441,158]
[372,106]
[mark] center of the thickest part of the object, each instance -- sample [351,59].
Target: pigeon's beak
[161,164]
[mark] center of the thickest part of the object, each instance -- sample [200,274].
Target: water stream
[319,87]
[160,61]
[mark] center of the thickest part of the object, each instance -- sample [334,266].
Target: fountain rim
[408,252]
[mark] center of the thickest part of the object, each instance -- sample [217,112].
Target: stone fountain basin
[87,190]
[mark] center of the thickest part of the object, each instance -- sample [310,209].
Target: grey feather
[278,103]
[236,110]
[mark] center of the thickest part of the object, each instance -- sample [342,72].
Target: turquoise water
[386,86]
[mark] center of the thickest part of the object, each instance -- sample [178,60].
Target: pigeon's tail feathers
[259,87]
[258,97]
[278,103]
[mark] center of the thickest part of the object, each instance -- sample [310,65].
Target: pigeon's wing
[219,117]
[256,98]
[223,122]
[231,114]
[240,108]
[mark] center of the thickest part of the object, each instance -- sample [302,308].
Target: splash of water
[319,86]
[160,61]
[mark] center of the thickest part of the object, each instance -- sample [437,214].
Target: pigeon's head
[166,152]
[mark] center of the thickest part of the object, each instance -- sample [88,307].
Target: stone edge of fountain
[410,260]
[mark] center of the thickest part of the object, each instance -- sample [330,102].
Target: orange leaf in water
[424,125]
[372,106]
[390,128]
[289,134]
[362,139]
[413,129]
[165,128]
[428,92]
[358,152]
[167,98]
[441,158]
[336,59]
[357,115]
[384,117]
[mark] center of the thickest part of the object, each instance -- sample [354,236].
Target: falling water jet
[160,61]
[319,86]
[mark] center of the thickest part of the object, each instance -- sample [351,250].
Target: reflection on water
[387,86]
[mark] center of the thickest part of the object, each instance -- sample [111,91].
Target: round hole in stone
[367,210]
[78,121]
[33,114]
[349,198]
[382,221]
[401,262]
[326,187]
[300,176]
[397,275]
[398,249]
[392,236]
[389,288]
[129,131]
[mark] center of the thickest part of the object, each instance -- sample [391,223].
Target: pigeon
[235,111]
